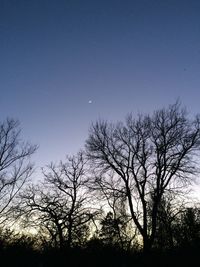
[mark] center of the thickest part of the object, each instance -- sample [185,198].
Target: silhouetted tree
[114,231]
[187,228]
[169,212]
[60,204]
[149,156]
[116,225]
[15,166]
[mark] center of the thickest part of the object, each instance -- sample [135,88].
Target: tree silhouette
[114,231]
[169,212]
[116,226]
[187,228]
[15,166]
[149,156]
[60,204]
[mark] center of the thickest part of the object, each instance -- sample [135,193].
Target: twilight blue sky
[124,55]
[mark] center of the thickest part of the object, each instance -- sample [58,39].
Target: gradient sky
[123,55]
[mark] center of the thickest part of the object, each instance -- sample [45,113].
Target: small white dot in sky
[90,101]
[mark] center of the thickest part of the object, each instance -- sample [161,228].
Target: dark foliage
[20,251]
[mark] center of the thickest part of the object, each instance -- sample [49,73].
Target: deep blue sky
[124,55]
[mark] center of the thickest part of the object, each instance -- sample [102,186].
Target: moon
[90,102]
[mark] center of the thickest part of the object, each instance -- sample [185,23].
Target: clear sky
[64,64]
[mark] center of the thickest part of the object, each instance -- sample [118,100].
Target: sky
[66,63]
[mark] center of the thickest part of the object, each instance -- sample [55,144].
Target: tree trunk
[147,244]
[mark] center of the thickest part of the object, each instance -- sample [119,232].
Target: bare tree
[60,204]
[149,155]
[169,211]
[15,166]
[116,225]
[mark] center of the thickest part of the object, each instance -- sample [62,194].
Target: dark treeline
[122,201]
[23,250]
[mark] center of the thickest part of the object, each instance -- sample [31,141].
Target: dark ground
[98,257]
